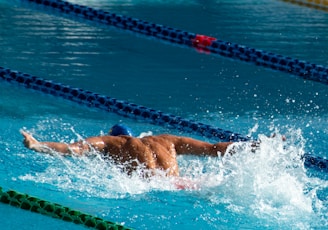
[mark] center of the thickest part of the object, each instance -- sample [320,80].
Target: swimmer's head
[120,129]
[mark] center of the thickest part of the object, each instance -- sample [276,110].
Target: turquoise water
[266,190]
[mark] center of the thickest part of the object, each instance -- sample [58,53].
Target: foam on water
[270,184]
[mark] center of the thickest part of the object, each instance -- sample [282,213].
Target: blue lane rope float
[303,69]
[116,106]
[133,111]
[315,162]
[34,204]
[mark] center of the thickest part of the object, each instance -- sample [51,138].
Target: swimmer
[157,152]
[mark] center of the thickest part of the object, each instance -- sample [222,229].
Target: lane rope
[315,4]
[34,204]
[201,42]
[120,107]
[133,111]
[303,69]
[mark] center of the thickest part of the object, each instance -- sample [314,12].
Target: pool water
[268,189]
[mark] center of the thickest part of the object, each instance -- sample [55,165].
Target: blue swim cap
[119,129]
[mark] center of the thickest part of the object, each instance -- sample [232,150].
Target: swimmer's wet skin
[154,152]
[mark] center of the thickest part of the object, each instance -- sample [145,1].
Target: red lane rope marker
[202,42]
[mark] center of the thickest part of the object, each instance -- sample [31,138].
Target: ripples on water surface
[268,189]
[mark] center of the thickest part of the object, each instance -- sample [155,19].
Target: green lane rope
[33,204]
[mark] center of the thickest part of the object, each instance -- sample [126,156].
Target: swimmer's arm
[78,148]
[186,145]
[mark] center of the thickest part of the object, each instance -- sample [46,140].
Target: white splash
[270,183]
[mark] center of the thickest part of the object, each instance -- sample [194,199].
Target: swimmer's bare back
[154,152]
